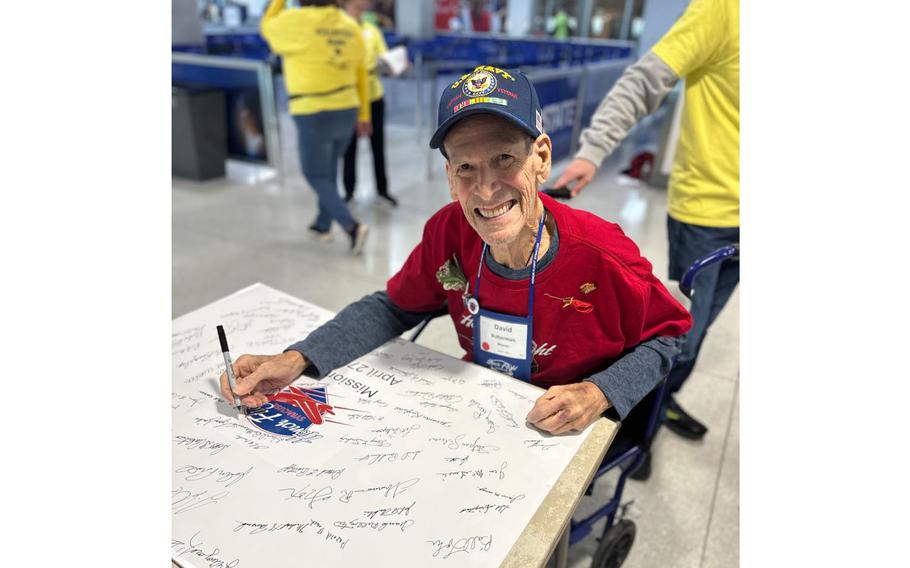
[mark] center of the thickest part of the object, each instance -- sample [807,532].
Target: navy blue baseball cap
[486,89]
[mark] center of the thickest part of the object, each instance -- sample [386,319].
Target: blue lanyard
[483,254]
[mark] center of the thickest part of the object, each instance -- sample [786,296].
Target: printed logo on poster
[502,366]
[293,411]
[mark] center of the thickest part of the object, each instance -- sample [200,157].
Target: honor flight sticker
[292,411]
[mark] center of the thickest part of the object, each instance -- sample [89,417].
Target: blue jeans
[321,141]
[713,285]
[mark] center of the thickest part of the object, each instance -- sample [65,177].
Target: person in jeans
[702,47]
[325,74]
[375,46]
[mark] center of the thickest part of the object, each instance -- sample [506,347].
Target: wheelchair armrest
[438,312]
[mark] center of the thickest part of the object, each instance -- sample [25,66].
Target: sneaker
[358,234]
[681,423]
[392,201]
[320,235]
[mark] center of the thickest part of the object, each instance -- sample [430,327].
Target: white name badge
[504,338]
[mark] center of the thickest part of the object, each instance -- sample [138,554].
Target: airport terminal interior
[250,225]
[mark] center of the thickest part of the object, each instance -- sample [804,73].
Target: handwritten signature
[310,496]
[466,544]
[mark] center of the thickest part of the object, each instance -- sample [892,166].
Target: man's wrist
[606,404]
[296,360]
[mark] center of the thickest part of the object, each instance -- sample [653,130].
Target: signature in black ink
[465,544]
[391,489]
[200,444]
[377,526]
[479,473]
[312,526]
[428,404]
[398,431]
[310,496]
[371,459]
[511,499]
[303,471]
[183,501]
[195,473]
[415,414]
[390,511]
[458,442]
[434,396]
[194,547]
[251,443]
[485,509]
[537,444]
[503,413]
[375,442]
[456,459]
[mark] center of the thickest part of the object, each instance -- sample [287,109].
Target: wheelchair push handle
[729,251]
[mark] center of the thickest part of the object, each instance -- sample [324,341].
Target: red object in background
[446,10]
[480,20]
[640,166]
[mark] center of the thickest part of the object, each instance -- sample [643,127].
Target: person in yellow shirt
[375,46]
[702,48]
[323,57]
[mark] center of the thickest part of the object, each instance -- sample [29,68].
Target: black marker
[229,366]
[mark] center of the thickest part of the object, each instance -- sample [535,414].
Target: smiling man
[536,290]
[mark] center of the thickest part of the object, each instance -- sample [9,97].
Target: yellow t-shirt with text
[323,55]
[703,48]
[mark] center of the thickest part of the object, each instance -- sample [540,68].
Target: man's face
[494,174]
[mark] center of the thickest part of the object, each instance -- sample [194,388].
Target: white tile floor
[248,228]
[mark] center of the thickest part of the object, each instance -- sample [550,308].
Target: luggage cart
[627,452]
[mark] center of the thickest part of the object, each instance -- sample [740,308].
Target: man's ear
[542,148]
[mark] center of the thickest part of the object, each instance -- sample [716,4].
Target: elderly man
[536,290]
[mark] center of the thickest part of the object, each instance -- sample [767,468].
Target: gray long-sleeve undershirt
[638,93]
[373,320]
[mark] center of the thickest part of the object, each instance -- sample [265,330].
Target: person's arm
[281,29]
[613,392]
[627,381]
[364,126]
[275,8]
[635,95]
[353,332]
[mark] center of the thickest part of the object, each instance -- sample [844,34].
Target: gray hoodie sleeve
[636,373]
[353,332]
[636,94]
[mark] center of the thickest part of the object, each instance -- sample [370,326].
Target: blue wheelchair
[630,449]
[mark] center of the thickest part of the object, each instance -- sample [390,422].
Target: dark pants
[321,138]
[377,143]
[712,286]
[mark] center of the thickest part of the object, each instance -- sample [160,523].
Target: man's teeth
[490,213]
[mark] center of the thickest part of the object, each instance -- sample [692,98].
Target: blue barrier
[476,49]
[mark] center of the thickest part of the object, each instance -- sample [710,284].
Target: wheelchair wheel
[615,545]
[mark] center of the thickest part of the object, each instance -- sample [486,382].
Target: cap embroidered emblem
[479,84]
[588,287]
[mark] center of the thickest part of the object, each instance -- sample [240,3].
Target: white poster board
[421,459]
